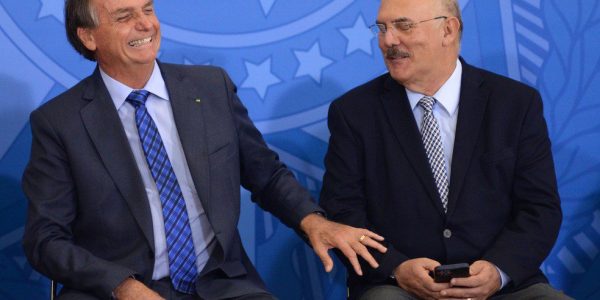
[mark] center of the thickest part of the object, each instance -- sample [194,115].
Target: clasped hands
[413,276]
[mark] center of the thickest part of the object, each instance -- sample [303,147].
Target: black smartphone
[444,273]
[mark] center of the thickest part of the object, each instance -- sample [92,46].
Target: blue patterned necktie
[182,257]
[432,140]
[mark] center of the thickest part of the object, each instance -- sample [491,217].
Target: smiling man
[135,172]
[450,163]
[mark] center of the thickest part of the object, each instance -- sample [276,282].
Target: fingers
[373,235]
[361,250]
[482,283]
[482,273]
[349,240]
[350,253]
[370,242]
[325,258]
[463,293]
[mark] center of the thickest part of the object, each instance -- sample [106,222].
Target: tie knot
[138,98]
[427,103]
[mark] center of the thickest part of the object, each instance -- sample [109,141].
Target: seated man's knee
[382,292]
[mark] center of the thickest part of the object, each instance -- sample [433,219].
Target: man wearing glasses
[450,163]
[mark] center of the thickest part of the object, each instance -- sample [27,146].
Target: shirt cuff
[504,279]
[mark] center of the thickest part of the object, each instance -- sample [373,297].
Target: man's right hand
[413,276]
[131,289]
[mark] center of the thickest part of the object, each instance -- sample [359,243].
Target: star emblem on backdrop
[260,77]
[312,62]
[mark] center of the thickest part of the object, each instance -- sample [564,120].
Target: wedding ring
[362,237]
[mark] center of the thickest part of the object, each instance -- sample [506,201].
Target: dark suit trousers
[164,287]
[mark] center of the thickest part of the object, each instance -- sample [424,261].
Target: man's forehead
[405,9]
[112,6]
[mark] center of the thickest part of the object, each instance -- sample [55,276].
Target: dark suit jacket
[503,203]
[89,224]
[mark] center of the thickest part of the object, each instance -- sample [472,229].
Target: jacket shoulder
[500,84]
[193,70]
[365,93]
[69,100]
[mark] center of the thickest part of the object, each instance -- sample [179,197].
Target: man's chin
[398,73]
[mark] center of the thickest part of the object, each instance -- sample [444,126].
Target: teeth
[138,43]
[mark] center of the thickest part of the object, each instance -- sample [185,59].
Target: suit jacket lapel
[473,101]
[188,115]
[105,129]
[401,118]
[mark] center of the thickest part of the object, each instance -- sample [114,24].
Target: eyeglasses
[399,25]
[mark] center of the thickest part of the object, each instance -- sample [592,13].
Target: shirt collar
[447,96]
[119,91]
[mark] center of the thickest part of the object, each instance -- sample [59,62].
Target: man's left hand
[324,235]
[483,283]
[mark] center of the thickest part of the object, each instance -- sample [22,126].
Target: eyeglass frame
[382,28]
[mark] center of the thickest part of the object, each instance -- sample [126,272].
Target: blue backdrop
[290,59]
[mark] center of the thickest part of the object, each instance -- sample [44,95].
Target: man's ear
[86,36]
[451,31]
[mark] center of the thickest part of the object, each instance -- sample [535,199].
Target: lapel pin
[198,100]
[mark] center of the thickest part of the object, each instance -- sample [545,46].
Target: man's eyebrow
[129,9]
[401,19]
[119,11]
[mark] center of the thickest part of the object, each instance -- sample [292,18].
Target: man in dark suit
[450,163]
[134,175]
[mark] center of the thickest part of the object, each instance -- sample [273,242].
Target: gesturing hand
[324,235]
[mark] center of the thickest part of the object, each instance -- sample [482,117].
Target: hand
[413,276]
[324,235]
[483,282]
[131,289]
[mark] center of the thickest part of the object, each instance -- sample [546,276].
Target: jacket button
[447,233]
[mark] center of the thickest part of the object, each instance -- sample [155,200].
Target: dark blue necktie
[182,258]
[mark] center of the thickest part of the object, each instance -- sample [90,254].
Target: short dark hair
[80,13]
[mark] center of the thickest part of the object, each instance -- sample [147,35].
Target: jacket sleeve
[271,183]
[536,214]
[48,241]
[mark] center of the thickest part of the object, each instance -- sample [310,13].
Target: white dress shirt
[445,112]
[159,108]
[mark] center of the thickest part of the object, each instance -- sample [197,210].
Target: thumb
[429,264]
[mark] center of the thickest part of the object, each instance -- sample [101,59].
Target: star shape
[359,37]
[312,62]
[266,6]
[260,77]
[53,8]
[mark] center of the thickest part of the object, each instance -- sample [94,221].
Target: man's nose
[144,22]
[389,38]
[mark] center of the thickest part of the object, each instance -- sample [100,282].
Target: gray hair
[452,7]
[80,13]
